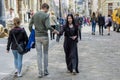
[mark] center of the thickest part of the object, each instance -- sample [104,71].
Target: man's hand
[56,32]
[7,51]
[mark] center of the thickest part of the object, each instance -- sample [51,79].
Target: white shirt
[10,17]
[53,20]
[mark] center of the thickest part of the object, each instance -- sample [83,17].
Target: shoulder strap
[15,39]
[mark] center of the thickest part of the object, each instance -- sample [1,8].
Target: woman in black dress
[70,31]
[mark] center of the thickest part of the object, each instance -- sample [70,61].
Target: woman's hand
[74,37]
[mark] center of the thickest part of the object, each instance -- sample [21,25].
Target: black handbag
[21,48]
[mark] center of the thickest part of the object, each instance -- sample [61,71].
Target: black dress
[70,47]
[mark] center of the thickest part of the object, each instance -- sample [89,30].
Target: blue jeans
[93,27]
[17,60]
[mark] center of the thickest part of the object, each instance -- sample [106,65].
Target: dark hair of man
[100,14]
[73,21]
[93,14]
[109,15]
[45,5]
[11,9]
[77,14]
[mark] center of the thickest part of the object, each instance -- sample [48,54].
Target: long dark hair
[93,15]
[73,21]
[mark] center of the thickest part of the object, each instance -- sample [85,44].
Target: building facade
[107,6]
[22,7]
[72,6]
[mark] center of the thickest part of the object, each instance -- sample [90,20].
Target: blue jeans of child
[93,27]
[17,60]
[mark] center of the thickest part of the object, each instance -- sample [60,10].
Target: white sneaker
[19,75]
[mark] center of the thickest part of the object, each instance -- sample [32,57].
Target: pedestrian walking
[42,24]
[10,17]
[88,21]
[21,37]
[101,23]
[108,23]
[85,20]
[78,22]
[114,14]
[70,31]
[53,23]
[93,21]
[29,15]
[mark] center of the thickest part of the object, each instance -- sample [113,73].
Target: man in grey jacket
[42,24]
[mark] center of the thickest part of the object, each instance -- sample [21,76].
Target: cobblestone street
[99,59]
[98,55]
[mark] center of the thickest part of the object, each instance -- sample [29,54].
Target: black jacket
[20,35]
[101,21]
[68,33]
[78,20]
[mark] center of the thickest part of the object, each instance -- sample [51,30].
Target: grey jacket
[41,22]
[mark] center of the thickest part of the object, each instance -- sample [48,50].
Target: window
[118,4]
[110,8]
